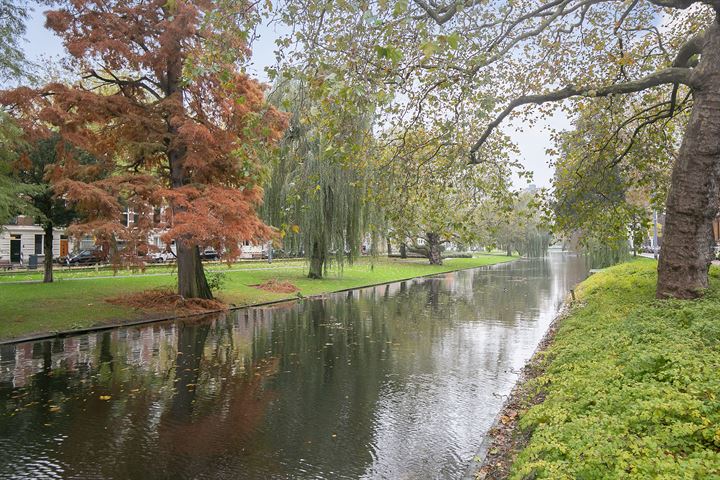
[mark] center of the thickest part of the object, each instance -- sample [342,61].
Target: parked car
[87,257]
[209,254]
[160,257]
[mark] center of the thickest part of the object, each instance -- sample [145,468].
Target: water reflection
[394,381]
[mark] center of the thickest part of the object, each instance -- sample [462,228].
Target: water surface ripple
[397,381]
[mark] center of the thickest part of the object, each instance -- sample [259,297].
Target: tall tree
[430,195]
[317,191]
[515,225]
[590,49]
[9,189]
[608,178]
[164,106]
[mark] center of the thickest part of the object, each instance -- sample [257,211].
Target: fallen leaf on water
[105,397]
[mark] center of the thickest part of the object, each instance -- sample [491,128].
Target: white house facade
[22,238]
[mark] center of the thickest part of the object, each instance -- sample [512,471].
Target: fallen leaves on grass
[166,300]
[277,286]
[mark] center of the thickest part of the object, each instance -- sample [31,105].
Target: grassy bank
[631,385]
[71,304]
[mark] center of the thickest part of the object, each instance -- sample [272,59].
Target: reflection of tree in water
[198,428]
[110,415]
[263,390]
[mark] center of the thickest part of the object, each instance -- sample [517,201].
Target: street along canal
[393,381]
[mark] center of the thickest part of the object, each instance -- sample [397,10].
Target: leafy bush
[215,280]
[632,385]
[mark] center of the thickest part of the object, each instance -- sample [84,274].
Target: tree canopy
[500,57]
[163,104]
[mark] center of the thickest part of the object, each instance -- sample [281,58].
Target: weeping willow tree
[316,193]
[515,225]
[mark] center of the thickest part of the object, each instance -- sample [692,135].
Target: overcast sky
[532,141]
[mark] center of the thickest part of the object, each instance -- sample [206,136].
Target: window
[38,244]
[86,242]
[124,219]
[156,216]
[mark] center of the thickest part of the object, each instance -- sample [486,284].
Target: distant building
[22,238]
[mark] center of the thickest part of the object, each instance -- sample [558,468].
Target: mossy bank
[628,389]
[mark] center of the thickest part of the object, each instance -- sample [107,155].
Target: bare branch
[625,15]
[667,76]
[681,4]
[692,47]
[440,18]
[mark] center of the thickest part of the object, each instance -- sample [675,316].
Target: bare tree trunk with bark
[317,262]
[433,249]
[48,249]
[693,200]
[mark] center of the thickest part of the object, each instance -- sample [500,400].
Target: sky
[532,141]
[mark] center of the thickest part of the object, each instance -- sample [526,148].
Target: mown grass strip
[66,305]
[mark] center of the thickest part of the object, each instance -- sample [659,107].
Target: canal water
[397,381]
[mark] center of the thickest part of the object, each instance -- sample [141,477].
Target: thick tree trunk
[433,249]
[389,247]
[191,275]
[48,249]
[403,250]
[693,200]
[317,262]
[508,250]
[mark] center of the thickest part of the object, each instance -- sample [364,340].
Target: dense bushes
[632,385]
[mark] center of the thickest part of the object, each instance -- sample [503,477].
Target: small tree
[39,198]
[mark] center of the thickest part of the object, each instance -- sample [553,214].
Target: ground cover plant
[631,386]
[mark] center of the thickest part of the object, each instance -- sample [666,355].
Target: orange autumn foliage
[171,119]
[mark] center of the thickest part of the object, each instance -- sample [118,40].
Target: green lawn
[65,305]
[62,272]
[632,385]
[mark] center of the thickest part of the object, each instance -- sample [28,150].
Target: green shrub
[632,386]
[215,280]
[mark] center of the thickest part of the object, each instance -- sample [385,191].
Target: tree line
[383,122]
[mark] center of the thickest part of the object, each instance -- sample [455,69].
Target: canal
[394,381]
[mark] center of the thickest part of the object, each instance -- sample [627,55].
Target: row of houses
[22,238]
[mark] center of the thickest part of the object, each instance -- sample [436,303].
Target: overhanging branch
[668,76]
[691,48]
